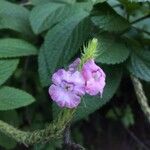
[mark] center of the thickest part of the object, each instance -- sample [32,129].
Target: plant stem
[142,99]
[53,130]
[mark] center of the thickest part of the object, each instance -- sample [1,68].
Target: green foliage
[97,1]
[56,53]
[12,118]
[125,115]
[14,17]
[108,20]
[12,98]
[111,50]
[139,64]
[128,117]
[39,2]
[51,34]
[45,16]
[10,47]
[42,16]
[7,67]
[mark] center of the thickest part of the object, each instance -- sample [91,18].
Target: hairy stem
[142,99]
[53,130]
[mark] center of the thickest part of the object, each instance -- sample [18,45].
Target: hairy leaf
[12,98]
[108,20]
[111,50]
[61,43]
[14,17]
[42,16]
[7,67]
[45,16]
[139,64]
[39,2]
[10,47]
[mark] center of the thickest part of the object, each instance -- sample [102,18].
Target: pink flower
[74,66]
[94,78]
[67,88]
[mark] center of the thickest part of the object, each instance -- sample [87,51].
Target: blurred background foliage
[39,36]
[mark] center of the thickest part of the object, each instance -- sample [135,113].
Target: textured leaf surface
[139,64]
[12,98]
[111,50]
[90,104]
[7,67]
[12,118]
[39,2]
[10,47]
[45,16]
[42,16]
[61,43]
[14,17]
[107,19]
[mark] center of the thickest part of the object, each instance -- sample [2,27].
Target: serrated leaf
[14,17]
[139,64]
[12,98]
[45,16]
[90,104]
[10,47]
[12,118]
[108,20]
[7,67]
[61,43]
[111,50]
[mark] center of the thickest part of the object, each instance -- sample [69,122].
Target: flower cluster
[68,86]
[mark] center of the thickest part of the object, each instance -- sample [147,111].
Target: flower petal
[59,76]
[63,98]
[94,78]
[74,66]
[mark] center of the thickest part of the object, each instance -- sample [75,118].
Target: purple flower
[94,78]
[74,66]
[67,88]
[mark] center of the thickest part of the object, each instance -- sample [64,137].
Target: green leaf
[7,67]
[42,16]
[10,47]
[97,1]
[61,43]
[12,98]
[108,20]
[128,117]
[12,118]
[14,17]
[43,69]
[139,64]
[90,104]
[39,2]
[45,16]
[111,50]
